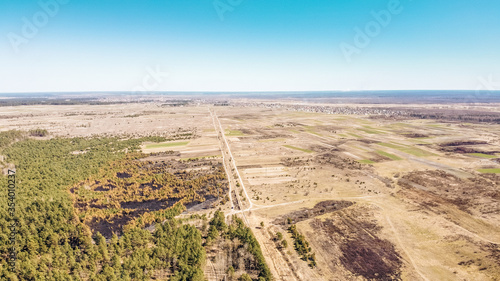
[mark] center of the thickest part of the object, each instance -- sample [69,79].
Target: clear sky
[247,45]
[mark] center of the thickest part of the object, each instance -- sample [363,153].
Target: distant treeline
[80,101]
[57,101]
[471,116]
[459,115]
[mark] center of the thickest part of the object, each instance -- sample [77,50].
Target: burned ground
[368,141]
[351,239]
[479,194]
[415,135]
[375,157]
[326,148]
[265,135]
[337,161]
[129,189]
[460,143]
[467,146]
[321,208]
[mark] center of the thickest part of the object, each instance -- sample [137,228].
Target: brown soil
[378,158]
[150,205]
[368,141]
[459,143]
[108,227]
[319,209]
[351,239]
[415,135]
[337,161]
[465,147]
[479,194]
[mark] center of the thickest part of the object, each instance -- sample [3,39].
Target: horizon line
[229,92]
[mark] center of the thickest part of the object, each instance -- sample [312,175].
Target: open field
[374,198]
[388,155]
[408,149]
[387,220]
[298,148]
[168,144]
[492,171]
[482,155]
[233,133]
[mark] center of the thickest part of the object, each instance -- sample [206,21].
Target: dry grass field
[375,198]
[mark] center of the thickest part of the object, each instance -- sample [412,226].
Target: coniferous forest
[66,187]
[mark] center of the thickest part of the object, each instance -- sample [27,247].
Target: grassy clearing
[314,133]
[490,171]
[270,140]
[368,131]
[442,127]
[298,148]
[356,136]
[310,129]
[419,141]
[343,135]
[360,120]
[362,148]
[400,125]
[167,144]
[408,149]
[482,155]
[388,155]
[233,133]
[366,161]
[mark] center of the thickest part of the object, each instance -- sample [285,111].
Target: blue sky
[253,45]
